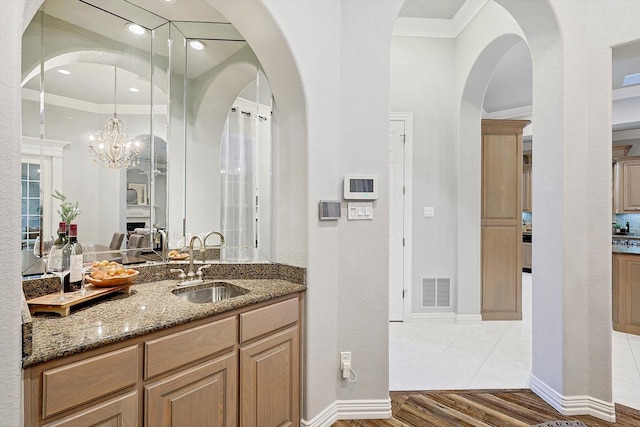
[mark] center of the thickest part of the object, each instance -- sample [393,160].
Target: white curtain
[238,187]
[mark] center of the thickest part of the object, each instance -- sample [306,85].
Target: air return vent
[436,292]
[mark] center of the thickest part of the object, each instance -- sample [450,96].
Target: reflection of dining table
[105,253]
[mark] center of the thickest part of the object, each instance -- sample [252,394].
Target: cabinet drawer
[167,353]
[77,383]
[264,320]
[120,411]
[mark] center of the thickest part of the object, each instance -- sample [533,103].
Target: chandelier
[113,147]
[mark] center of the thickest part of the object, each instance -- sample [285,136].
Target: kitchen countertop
[149,307]
[625,249]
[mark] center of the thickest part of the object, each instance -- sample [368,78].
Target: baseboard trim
[573,405]
[351,410]
[460,319]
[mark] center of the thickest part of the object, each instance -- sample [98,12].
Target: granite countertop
[625,249]
[147,308]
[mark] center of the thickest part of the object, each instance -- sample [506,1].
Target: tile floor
[497,354]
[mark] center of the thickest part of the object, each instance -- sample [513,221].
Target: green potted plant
[68,211]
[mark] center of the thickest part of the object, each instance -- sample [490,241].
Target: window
[30,181]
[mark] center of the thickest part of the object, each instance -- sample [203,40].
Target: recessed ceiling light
[631,79]
[135,29]
[197,45]
[168,1]
[63,71]
[134,89]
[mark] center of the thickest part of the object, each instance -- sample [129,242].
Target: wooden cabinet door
[631,185]
[205,395]
[501,222]
[270,381]
[632,295]
[617,309]
[119,412]
[526,188]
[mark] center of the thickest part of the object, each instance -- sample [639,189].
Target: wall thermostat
[363,187]
[329,210]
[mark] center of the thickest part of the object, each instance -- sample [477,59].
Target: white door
[397,238]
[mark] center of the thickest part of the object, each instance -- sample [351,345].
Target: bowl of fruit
[176,255]
[110,273]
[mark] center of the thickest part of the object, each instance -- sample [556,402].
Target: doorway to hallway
[400,155]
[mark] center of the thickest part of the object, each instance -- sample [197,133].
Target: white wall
[11,26]
[347,115]
[422,78]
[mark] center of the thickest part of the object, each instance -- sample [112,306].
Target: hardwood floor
[480,408]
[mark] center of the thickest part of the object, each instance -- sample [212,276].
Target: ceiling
[435,9]
[509,89]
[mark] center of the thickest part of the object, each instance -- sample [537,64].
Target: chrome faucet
[191,274]
[216,233]
[207,236]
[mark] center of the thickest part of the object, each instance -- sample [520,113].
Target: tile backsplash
[634,222]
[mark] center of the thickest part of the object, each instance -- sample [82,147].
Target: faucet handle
[178,270]
[199,273]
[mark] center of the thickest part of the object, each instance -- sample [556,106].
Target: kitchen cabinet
[626,293]
[627,181]
[204,395]
[201,396]
[269,367]
[120,411]
[236,368]
[526,184]
[501,219]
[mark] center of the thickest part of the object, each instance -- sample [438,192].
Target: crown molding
[47,147]
[511,113]
[626,135]
[626,92]
[439,28]
[91,107]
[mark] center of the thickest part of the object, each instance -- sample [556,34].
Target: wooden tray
[48,303]
[117,281]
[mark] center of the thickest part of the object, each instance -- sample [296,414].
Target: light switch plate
[429,212]
[359,211]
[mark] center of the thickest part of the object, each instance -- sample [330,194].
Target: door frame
[407,250]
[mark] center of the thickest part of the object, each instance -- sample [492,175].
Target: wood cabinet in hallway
[501,219]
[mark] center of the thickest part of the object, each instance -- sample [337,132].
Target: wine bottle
[62,234]
[72,255]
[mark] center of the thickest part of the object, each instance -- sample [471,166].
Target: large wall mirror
[194,100]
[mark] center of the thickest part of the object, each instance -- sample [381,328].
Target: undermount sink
[213,292]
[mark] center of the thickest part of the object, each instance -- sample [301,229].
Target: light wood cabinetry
[85,380]
[172,351]
[205,373]
[627,185]
[626,293]
[118,412]
[616,311]
[201,396]
[526,184]
[501,222]
[269,373]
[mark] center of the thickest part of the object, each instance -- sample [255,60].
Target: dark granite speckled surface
[151,306]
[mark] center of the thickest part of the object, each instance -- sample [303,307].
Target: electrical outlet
[345,363]
[345,357]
